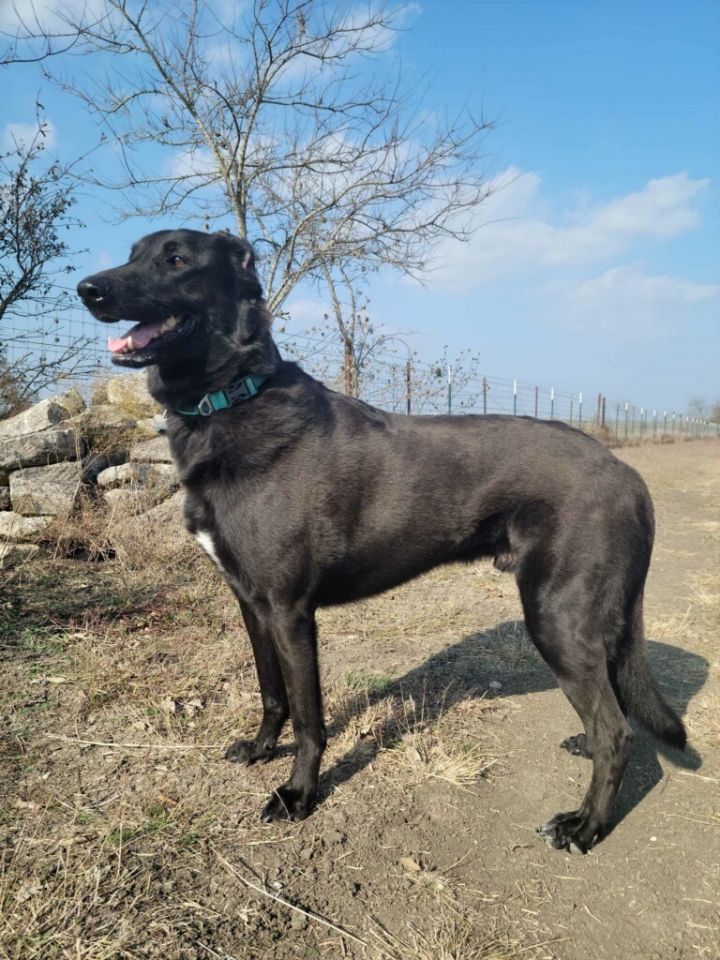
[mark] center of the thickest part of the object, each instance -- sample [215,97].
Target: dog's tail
[638,689]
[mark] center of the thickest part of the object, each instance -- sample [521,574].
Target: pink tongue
[141,333]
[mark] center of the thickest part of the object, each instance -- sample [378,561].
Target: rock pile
[62,448]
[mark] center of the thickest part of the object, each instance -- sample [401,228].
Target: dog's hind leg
[272,692]
[566,629]
[295,639]
[611,735]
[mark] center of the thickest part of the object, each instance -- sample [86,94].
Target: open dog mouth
[143,334]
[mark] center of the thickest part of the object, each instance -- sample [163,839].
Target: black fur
[310,498]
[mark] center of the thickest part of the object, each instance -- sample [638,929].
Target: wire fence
[388,380]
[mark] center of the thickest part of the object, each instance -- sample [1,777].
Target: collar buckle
[241,390]
[205,407]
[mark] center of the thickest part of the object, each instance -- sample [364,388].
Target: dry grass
[456,936]
[704,716]
[140,671]
[127,690]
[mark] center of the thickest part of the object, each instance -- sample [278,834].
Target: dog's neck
[182,384]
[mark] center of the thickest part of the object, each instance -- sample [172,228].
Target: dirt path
[124,835]
[652,888]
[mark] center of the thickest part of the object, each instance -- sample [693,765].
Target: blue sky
[595,265]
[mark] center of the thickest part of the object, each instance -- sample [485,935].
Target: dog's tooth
[130,343]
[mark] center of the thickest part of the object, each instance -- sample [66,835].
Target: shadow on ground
[465,670]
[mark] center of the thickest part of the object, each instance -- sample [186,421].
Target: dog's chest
[206,541]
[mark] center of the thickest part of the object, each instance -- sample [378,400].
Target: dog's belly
[394,561]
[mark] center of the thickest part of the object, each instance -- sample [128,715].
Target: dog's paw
[287,803]
[577,746]
[569,831]
[249,752]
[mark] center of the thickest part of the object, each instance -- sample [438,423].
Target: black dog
[305,498]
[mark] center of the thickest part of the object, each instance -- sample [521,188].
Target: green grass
[371,682]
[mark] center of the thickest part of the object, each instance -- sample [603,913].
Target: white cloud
[22,134]
[663,208]
[624,301]
[49,14]
[192,163]
[517,234]
[305,311]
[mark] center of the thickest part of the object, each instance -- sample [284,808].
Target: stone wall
[63,450]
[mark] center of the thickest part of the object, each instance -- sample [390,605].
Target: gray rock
[147,425]
[45,491]
[45,414]
[13,553]
[130,391]
[124,502]
[95,463]
[105,423]
[168,514]
[162,524]
[41,448]
[124,474]
[14,526]
[72,401]
[152,451]
[160,476]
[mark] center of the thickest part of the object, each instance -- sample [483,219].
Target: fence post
[536,403]
[654,424]
[642,424]
[617,422]
[571,408]
[627,408]
[408,385]
[602,422]
[485,390]
[514,398]
[449,389]
[552,403]
[580,410]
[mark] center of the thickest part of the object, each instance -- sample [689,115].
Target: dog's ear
[243,258]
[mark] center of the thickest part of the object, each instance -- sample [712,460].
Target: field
[124,834]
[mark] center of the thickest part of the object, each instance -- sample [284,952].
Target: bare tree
[360,339]
[35,204]
[274,114]
[341,345]
[699,407]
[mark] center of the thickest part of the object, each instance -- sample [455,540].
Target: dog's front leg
[295,636]
[272,692]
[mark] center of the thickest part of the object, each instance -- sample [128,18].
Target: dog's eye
[177,261]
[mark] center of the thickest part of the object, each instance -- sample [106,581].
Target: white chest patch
[206,542]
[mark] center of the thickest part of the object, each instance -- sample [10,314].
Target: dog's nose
[92,290]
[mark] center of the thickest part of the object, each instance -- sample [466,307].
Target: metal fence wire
[387,380]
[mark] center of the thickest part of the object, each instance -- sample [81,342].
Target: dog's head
[187,294]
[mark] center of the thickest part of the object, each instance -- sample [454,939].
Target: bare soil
[124,834]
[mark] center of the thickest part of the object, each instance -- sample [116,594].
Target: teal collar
[242,389]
